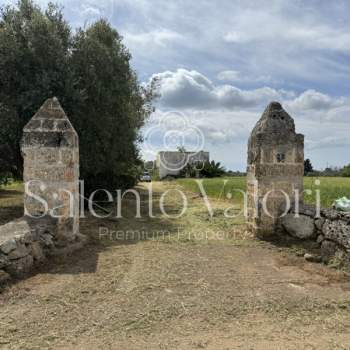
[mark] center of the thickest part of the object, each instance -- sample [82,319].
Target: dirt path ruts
[177,293]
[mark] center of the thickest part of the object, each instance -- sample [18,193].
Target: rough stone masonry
[50,149]
[275,169]
[50,226]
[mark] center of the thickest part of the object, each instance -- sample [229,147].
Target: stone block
[4,277]
[37,252]
[328,250]
[319,223]
[337,231]
[8,246]
[19,267]
[20,252]
[301,227]
[4,261]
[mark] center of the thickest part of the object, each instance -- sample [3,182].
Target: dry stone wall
[330,231]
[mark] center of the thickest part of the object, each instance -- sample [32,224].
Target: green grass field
[330,188]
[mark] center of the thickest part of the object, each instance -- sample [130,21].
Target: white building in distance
[170,163]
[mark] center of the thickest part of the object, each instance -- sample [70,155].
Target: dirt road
[192,283]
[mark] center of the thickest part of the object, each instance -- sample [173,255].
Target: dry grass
[180,291]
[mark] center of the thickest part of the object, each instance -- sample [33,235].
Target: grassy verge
[11,202]
[227,188]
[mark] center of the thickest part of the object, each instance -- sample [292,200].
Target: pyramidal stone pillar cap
[50,117]
[274,120]
[50,127]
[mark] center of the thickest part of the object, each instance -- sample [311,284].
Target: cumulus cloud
[314,100]
[191,89]
[225,114]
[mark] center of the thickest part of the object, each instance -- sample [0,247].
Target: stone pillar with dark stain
[50,149]
[275,169]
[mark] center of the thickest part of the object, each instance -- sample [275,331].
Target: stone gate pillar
[275,169]
[50,150]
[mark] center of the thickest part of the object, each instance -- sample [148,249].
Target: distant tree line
[89,71]
[329,171]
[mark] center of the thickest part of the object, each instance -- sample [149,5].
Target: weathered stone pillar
[50,150]
[275,169]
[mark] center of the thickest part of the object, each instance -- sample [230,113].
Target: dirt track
[180,292]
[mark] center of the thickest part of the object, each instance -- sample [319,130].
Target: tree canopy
[308,168]
[89,72]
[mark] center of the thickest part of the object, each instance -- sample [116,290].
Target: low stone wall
[27,242]
[330,230]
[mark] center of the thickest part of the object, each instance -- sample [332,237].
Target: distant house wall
[171,163]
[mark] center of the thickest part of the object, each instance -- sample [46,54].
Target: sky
[219,63]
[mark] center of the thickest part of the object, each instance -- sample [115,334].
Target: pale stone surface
[275,169]
[7,246]
[302,227]
[50,149]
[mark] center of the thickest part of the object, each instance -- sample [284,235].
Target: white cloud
[235,37]
[226,114]
[236,76]
[191,89]
[229,75]
[314,100]
[89,11]
[158,37]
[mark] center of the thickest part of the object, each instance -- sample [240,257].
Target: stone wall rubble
[330,230]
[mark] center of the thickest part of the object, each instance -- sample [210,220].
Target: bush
[208,169]
[5,179]
[346,171]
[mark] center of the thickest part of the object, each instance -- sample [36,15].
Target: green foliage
[212,169]
[346,171]
[5,178]
[330,188]
[208,169]
[112,111]
[90,74]
[308,168]
[33,67]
